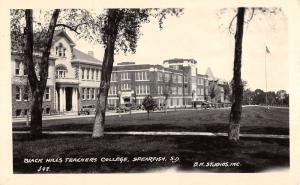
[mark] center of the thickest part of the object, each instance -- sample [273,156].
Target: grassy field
[254,120]
[248,155]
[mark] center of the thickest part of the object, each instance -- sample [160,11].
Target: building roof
[61,33]
[84,57]
[179,60]
[210,74]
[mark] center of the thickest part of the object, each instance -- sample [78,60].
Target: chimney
[91,53]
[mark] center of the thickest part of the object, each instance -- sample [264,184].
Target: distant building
[74,79]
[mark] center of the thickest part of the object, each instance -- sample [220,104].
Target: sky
[203,35]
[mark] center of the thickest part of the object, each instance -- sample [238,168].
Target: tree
[120,31]
[31,36]
[149,104]
[237,93]
[37,86]
[213,90]
[227,91]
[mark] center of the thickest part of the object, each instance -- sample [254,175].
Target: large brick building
[74,79]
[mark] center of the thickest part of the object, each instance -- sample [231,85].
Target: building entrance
[69,98]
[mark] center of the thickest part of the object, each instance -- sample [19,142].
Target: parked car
[87,109]
[205,105]
[123,108]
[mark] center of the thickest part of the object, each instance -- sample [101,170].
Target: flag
[267,50]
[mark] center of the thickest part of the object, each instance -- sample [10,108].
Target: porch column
[74,99]
[64,99]
[61,99]
[56,100]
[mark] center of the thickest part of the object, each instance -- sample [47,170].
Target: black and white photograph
[129,92]
[143,90]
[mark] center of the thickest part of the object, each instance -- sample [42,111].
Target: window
[159,76]
[60,71]
[174,90]
[25,95]
[198,91]
[179,90]
[206,91]
[47,94]
[88,74]
[93,74]
[18,112]
[179,79]
[18,93]
[97,74]
[83,93]
[25,112]
[93,94]
[82,73]
[25,72]
[167,77]
[159,89]
[193,79]
[125,76]
[125,86]
[174,78]
[17,68]
[185,79]
[112,90]
[206,82]
[141,76]
[88,93]
[113,77]
[48,110]
[60,50]
[142,89]
[202,92]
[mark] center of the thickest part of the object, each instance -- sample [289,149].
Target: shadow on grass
[252,155]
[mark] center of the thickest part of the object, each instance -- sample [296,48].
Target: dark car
[205,105]
[87,109]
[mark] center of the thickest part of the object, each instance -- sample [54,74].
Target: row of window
[201,81]
[139,76]
[89,93]
[24,96]
[90,74]
[24,112]
[200,92]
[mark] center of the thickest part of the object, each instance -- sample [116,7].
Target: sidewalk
[270,136]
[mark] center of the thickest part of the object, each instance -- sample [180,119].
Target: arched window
[61,71]
[60,50]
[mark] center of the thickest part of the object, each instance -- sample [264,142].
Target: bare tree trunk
[37,86]
[148,114]
[107,66]
[36,115]
[237,94]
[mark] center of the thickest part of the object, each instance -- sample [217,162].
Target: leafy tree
[227,91]
[32,35]
[120,30]
[149,104]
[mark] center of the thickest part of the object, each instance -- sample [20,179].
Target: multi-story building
[74,79]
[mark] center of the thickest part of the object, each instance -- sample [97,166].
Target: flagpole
[266,77]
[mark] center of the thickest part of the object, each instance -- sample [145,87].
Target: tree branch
[251,17]
[230,24]
[71,28]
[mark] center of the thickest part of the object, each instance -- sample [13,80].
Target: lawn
[248,155]
[254,120]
